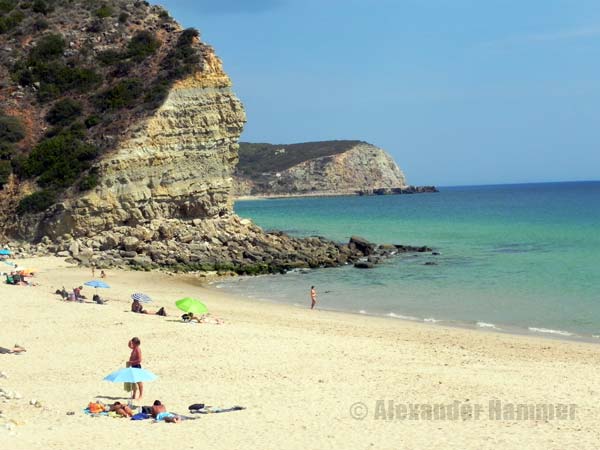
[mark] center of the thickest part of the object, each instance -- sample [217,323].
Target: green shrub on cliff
[88,182]
[37,202]
[11,129]
[54,78]
[109,57]
[7,6]
[9,22]
[64,112]
[5,171]
[48,47]
[124,94]
[142,45]
[104,11]
[40,6]
[58,161]
[183,59]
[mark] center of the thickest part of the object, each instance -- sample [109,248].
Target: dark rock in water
[430,263]
[364,265]
[435,253]
[362,245]
[412,249]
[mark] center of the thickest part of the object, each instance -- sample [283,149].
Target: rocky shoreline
[400,190]
[352,193]
[227,246]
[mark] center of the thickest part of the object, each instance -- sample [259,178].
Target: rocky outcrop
[226,246]
[177,164]
[362,167]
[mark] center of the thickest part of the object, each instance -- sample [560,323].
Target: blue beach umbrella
[5,252]
[130,375]
[97,284]
[141,297]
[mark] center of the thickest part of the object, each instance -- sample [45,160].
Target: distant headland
[324,168]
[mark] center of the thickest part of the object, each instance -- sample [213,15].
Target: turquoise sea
[513,257]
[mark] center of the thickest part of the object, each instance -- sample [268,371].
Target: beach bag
[146,409]
[196,407]
[96,408]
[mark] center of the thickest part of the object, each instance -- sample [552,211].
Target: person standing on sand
[135,361]
[93,271]
[313,297]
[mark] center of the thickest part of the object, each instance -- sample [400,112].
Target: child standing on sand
[313,297]
[135,361]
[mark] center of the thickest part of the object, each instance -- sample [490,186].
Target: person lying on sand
[97,299]
[120,409]
[159,412]
[15,350]
[137,307]
[204,318]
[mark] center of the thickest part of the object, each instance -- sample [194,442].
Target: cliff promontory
[318,168]
[118,143]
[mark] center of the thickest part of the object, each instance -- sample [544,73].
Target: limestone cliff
[326,169]
[155,129]
[177,164]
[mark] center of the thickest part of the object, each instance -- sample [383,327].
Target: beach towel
[214,410]
[140,416]
[87,411]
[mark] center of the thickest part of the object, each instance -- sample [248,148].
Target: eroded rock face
[364,167]
[177,164]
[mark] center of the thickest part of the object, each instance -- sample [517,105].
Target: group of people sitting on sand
[76,296]
[18,278]
[157,411]
[138,308]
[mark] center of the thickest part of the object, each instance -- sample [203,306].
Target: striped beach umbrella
[141,297]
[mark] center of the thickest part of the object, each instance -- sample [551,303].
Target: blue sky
[458,91]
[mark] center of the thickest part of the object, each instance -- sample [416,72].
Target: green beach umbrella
[191,305]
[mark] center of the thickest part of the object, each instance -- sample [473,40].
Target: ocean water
[512,257]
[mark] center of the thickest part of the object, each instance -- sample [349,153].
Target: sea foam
[550,331]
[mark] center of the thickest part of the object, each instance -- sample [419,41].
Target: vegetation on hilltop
[255,159]
[80,71]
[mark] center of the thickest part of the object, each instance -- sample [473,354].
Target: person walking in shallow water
[313,297]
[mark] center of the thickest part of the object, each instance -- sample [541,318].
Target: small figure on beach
[93,271]
[77,293]
[15,350]
[313,297]
[159,412]
[135,361]
[102,274]
[204,318]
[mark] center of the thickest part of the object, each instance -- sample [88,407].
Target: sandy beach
[309,379]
